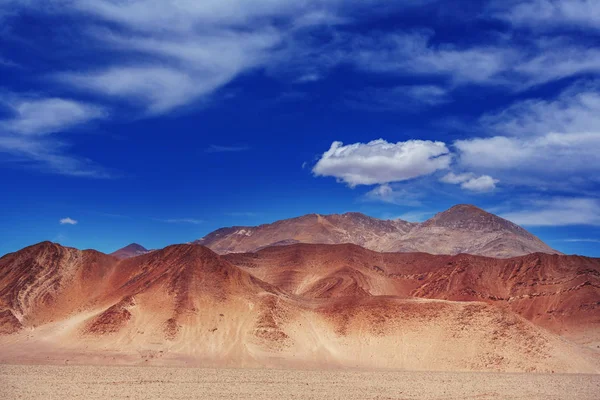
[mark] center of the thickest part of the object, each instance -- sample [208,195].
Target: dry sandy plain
[96,382]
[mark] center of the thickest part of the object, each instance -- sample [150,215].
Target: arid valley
[306,302]
[300,199]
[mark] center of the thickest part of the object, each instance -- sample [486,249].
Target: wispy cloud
[67,221]
[242,214]
[193,221]
[540,138]
[213,148]
[175,56]
[407,98]
[575,110]
[393,194]
[31,133]
[582,240]
[416,216]
[538,14]
[6,63]
[42,116]
[558,212]
[502,61]
[184,69]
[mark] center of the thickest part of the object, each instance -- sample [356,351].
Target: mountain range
[460,229]
[308,292]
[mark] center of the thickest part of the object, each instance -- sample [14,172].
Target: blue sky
[142,121]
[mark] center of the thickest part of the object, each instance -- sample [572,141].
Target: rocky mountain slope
[461,229]
[560,293]
[298,305]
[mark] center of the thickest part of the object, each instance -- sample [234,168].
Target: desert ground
[103,382]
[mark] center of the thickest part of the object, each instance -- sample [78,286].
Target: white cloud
[413,53]
[537,139]
[30,134]
[548,13]
[470,181]
[158,89]
[157,15]
[185,68]
[502,61]
[50,157]
[484,183]
[558,212]
[68,221]
[553,60]
[41,116]
[551,153]
[380,162]
[189,50]
[577,109]
[456,179]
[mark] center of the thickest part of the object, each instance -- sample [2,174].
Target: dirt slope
[561,293]
[47,282]
[186,305]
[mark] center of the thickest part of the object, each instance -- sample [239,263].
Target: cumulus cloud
[469,181]
[68,221]
[558,212]
[484,183]
[380,162]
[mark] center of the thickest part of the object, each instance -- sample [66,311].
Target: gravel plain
[103,382]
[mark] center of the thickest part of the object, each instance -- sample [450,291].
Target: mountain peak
[131,250]
[135,246]
[470,217]
[465,208]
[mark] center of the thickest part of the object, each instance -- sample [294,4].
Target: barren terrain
[461,229]
[300,306]
[54,382]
